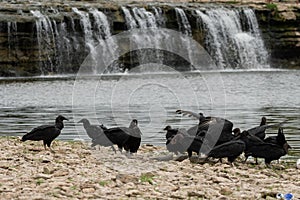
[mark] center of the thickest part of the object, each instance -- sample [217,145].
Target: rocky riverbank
[77,172]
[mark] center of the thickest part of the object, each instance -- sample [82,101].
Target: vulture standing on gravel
[47,133]
[128,138]
[261,149]
[132,144]
[93,131]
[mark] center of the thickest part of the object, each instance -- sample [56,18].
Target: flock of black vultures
[212,137]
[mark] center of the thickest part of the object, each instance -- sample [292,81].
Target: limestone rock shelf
[48,37]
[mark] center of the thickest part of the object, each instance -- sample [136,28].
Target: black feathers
[128,138]
[47,133]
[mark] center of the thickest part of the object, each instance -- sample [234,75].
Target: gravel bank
[76,171]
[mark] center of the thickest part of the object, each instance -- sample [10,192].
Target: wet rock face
[281,34]
[50,37]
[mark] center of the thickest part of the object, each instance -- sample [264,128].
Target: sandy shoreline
[76,171]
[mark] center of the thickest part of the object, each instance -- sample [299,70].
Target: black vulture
[47,133]
[132,144]
[219,129]
[128,138]
[184,142]
[230,150]
[260,149]
[96,132]
[170,132]
[279,139]
[178,141]
[260,131]
[250,140]
[93,131]
[194,146]
[269,151]
[111,136]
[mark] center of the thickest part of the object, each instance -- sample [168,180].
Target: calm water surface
[240,96]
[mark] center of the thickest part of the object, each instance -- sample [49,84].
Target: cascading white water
[130,21]
[46,40]
[86,27]
[90,44]
[227,42]
[254,29]
[101,25]
[186,29]
[11,32]
[159,18]
[102,33]
[231,36]
[143,19]
[183,22]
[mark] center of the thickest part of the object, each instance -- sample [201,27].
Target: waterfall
[101,25]
[186,29]
[160,19]
[254,29]
[102,33]
[143,19]
[63,39]
[227,42]
[90,44]
[183,22]
[130,21]
[12,41]
[46,40]
[87,28]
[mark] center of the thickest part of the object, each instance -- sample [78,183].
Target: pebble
[43,176]
[132,193]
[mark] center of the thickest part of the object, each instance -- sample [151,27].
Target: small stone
[126,178]
[88,190]
[60,173]
[196,194]
[43,176]
[266,194]
[226,191]
[132,193]
[222,198]
[180,158]
[48,170]
[164,158]
[219,180]
[174,196]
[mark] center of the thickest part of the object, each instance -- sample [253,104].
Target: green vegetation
[39,181]
[73,187]
[272,6]
[231,2]
[147,178]
[103,183]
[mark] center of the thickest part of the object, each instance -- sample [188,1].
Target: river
[240,96]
